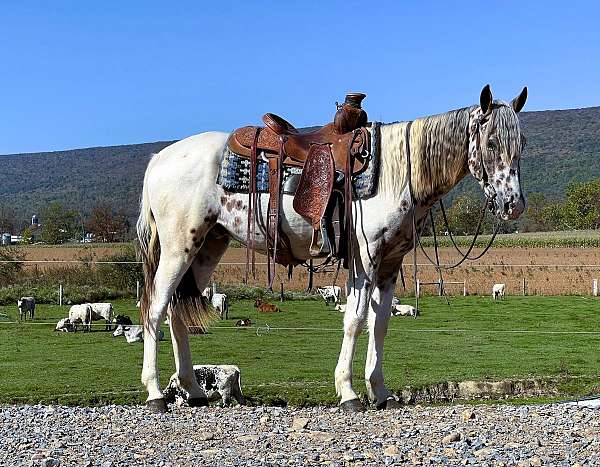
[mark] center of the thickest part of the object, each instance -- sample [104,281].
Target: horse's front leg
[378,318]
[354,319]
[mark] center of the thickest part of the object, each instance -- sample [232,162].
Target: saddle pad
[234,175]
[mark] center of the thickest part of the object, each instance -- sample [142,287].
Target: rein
[475,157]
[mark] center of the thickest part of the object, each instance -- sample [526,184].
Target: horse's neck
[438,156]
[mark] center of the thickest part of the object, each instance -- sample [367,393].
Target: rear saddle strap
[273,216]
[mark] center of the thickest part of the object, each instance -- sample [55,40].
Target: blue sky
[79,74]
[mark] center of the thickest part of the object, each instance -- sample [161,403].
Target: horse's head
[495,145]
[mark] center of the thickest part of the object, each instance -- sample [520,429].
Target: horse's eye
[491,145]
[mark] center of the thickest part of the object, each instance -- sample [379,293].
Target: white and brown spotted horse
[187,221]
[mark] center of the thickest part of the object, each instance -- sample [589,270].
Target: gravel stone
[116,436]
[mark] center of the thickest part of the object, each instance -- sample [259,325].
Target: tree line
[58,224]
[578,210]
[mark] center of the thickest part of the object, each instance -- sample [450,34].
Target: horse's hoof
[198,402]
[157,405]
[388,404]
[352,406]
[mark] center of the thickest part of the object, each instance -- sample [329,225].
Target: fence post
[281,293]
[595,287]
[60,294]
[214,287]
[464,288]
[524,288]
[418,288]
[137,291]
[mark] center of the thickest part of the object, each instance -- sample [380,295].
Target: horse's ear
[486,99]
[518,102]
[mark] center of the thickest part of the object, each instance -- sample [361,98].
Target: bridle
[478,122]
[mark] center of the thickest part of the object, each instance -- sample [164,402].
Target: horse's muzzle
[511,208]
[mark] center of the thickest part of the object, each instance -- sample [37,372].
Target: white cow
[81,314]
[404,310]
[103,311]
[208,293]
[330,292]
[65,325]
[134,333]
[26,305]
[220,382]
[498,291]
[220,304]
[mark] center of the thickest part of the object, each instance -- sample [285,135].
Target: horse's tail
[187,300]
[149,247]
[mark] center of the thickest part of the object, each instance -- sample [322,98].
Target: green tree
[582,205]
[535,218]
[7,220]
[58,224]
[464,214]
[26,235]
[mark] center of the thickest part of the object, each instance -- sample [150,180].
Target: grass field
[472,339]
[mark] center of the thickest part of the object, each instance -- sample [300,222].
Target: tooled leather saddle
[329,157]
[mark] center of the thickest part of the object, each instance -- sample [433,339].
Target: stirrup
[320,244]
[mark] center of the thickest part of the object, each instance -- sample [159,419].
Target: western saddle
[329,156]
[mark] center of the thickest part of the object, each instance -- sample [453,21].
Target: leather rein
[476,124]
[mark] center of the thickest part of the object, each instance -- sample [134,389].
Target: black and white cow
[330,293]
[220,382]
[26,305]
[103,311]
[65,325]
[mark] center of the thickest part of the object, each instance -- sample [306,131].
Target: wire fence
[477,278]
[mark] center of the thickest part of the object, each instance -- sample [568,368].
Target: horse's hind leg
[171,269]
[203,265]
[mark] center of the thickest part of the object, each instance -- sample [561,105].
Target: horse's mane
[439,147]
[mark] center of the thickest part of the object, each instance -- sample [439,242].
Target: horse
[187,221]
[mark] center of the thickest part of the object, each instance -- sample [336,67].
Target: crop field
[292,361]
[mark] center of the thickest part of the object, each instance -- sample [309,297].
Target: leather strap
[252,195]
[274,208]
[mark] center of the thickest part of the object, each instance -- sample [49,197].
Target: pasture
[293,362]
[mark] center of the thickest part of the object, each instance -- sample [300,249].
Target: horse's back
[188,161]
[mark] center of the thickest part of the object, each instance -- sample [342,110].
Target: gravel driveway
[450,435]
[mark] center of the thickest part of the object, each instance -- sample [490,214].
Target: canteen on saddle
[329,156]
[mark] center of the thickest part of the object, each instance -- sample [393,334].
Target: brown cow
[265,307]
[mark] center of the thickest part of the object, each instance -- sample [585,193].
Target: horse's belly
[234,217]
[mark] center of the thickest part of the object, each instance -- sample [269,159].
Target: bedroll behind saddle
[329,156]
